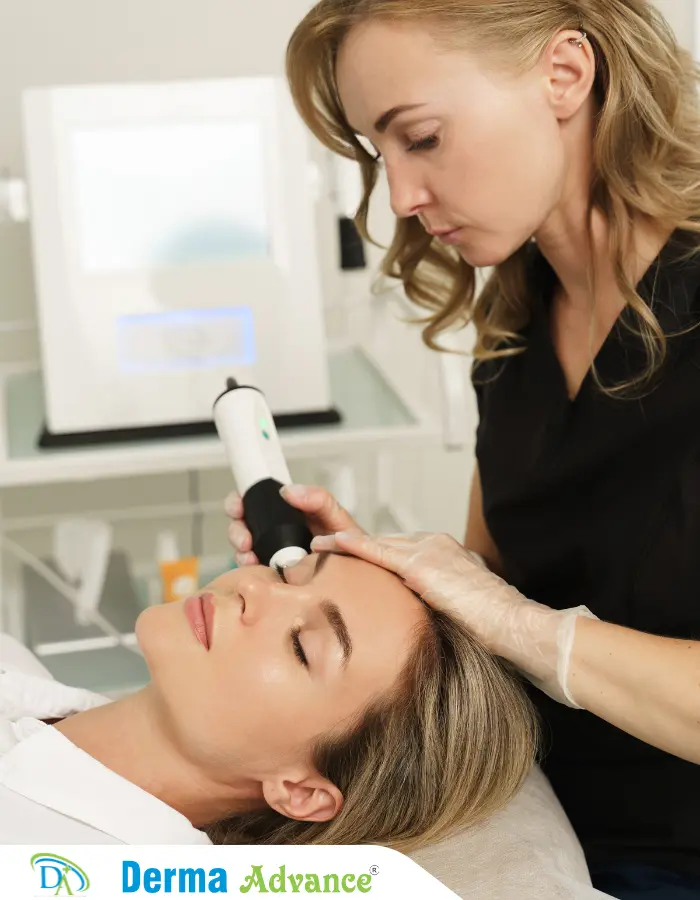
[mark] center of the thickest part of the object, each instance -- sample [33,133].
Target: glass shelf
[372,410]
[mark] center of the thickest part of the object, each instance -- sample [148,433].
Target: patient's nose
[260,594]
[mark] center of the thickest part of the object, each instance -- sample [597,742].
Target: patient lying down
[330,706]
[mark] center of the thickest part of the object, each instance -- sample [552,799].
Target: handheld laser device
[246,427]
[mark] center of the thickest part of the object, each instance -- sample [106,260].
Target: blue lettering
[151,881]
[59,876]
[189,874]
[131,876]
[169,875]
[218,883]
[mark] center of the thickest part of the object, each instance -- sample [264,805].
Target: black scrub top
[596,501]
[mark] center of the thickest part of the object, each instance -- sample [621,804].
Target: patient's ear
[306,797]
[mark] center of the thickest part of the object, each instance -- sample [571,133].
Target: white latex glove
[324,515]
[536,639]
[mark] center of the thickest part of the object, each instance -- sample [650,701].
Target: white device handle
[248,432]
[246,427]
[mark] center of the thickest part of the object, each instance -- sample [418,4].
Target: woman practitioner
[558,142]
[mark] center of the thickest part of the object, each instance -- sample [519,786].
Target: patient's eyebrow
[333,614]
[340,629]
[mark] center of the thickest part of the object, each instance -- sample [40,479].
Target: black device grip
[273,523]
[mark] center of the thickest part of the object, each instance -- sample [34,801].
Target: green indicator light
[264,427]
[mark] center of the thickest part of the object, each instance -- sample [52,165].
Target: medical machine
[244,423]
[174,244]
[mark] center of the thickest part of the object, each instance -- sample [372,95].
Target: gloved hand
[324,515]
[536,639]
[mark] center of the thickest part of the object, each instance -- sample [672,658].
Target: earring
[579,41]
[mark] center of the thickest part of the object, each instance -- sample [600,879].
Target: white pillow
[526,850]
[14,654]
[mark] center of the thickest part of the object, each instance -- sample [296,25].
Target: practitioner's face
[288,660]
[485,152]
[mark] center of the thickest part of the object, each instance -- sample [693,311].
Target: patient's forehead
[360,585]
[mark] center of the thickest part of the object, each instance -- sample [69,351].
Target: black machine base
[48,440]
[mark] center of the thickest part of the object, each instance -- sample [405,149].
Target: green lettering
[255,879]
[296,882]
[63,883]
[277,882]
[217,881]
[331,890]
[364,884]
[348,890]
[313,885]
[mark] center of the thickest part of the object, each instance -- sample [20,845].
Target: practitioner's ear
[570,69]
[306,797]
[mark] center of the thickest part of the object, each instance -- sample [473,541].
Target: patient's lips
[195,613]
[208,611]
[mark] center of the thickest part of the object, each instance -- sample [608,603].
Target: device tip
[231,384]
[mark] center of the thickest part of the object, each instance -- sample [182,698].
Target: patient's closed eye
[331,613]
[298,649]
[295,632]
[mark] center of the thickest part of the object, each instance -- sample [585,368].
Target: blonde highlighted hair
[449,746]
[646,154]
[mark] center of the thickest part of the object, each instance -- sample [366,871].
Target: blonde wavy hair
[646,153]
[451,744]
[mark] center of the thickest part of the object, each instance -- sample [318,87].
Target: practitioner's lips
[200,615]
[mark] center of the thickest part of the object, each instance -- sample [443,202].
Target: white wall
[78,41]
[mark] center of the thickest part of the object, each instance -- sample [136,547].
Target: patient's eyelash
[298,649]
[428,143]
[296,643]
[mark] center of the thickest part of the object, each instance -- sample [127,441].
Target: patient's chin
[154,633]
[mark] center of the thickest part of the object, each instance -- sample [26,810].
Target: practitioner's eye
[428,143]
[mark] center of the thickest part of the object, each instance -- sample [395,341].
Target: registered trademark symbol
[374,870]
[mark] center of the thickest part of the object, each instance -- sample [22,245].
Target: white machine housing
[174,240]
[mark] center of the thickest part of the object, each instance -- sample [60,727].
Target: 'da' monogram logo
[58,875]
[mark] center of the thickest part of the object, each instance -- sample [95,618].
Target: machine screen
[186,339]
[151,197]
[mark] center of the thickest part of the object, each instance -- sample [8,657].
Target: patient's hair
[451,744]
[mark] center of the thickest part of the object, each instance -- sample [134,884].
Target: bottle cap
[167,547]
